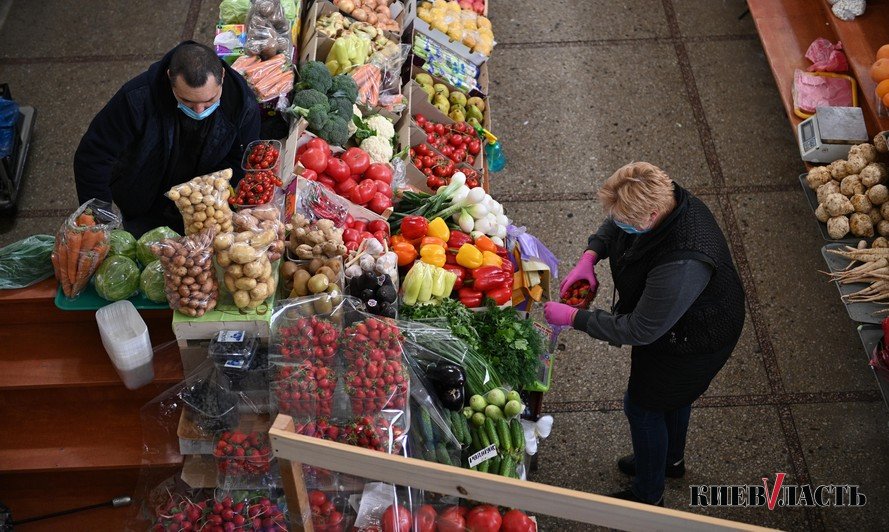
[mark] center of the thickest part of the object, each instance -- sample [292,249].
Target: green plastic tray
[89,299]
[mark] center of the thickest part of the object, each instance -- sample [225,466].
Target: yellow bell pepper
[491,259]
[433,254]
[469,256]
[439,229]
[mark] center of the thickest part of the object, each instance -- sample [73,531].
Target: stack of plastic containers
[125,337]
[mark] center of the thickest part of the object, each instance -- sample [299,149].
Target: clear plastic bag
[26,262]
[268,31]
[249,276]
[314,202]
[82,243]
[301,278]
[259,218]
[389,88]
[117,278]
[189,276]
[203,202]
[318,238]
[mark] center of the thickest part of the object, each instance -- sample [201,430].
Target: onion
[483,225]
[360,14]
[478,211]
[466,222]
[346,6]
[497,241]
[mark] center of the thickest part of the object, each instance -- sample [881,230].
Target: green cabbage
[117,278]
[233,11]
[122,243]
[152,282]
[143,245]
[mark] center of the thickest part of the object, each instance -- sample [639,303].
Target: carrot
[86,219]
[75,239]
[91,239]
[84,267]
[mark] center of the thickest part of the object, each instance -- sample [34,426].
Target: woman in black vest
[680,305]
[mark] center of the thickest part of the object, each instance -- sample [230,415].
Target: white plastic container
[125,337]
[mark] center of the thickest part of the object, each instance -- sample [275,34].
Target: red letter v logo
[773,496]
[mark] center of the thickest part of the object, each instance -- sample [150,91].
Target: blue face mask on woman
[190,113]
[627,228]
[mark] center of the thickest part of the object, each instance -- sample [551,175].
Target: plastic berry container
[234,345]
[243,459]
[271,162]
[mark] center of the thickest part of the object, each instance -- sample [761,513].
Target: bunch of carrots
[269,78]
[78,252]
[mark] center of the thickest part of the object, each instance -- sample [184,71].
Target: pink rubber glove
[585,270]
[559,314]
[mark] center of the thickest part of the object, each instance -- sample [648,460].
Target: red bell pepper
[494,279]
[414,227]
[458,238]
[484,271]
[459,271]
[450,257]
[470,297]
[500,295]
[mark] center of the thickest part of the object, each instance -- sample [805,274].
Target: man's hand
[585,270]
[559,314]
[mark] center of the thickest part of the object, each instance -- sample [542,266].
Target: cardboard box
[403,12]
[457,48]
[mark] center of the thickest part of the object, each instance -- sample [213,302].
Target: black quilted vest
[677,368]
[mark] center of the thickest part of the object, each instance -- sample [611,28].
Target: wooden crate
[294,450]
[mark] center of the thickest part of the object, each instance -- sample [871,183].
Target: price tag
[484,455]
[230,336]
[234,363]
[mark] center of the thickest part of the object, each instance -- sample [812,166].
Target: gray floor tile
[725,446]
[93,27]
[814,339]
[530,21]
[67,97]
[754,141]
[571,140]
[12,230]
[205,30]
[846,444]
[713,17]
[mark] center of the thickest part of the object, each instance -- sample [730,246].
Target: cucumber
[426,426]
[483,438]
[505,438]
[476,442]
[464,424]
[484,466]
[495,465]
[491,431]
[429,456]
[456,426]
[441,453]
[507,467]
[518,435]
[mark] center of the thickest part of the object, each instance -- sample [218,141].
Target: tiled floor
[579,88]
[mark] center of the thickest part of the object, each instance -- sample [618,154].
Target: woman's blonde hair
[636,190]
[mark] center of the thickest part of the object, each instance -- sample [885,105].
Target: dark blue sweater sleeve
[670,289]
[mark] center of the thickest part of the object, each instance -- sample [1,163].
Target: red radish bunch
[376,385]
[309,339]
[371,340]
[357,231]
[325,516]
[239,454]
[257,188]
[305,389]
[179,514]
[263,156]
[458,142]
[350,174]
[225,515]
[266,516]
[473,5]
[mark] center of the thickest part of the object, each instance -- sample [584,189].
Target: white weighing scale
[830,134]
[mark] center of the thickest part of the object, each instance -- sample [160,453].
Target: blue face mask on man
[190,113]
[627,228]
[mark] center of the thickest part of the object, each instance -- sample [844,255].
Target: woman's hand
[559,314]
[585,270]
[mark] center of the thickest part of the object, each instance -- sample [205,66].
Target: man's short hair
[195,63]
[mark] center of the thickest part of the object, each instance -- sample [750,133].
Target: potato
[878,194]
[838,205]
[874,173]
[288,268]
[826,190]
[818,176]
[242,253]
[253,269]
[821,213]
[851,185]
[838,227]
[861,204]
[880,241]
[245,283]
[223,259]
[327,272]
[866,151]
[242,298]
[860,225]
[260,292]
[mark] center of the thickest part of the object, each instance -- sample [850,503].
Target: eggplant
[448,380]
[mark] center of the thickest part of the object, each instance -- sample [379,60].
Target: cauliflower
[356,112]
[379,149]
[381,125]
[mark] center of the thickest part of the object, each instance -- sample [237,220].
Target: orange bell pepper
[432,240]
[405,252]
[491,259]
[433,254]
[484,243]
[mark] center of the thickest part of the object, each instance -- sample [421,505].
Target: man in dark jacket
[681,307]
[189,114]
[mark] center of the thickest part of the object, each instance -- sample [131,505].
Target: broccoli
[317,116]
[314,75]
[341,107]
[335,131]
[310,97]
[343,86]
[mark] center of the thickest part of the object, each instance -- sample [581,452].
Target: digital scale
[830,134]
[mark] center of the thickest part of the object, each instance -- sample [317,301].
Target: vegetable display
[374,12]
[151,282]
[493,420]
[462,25]
[269,79]
[325,101]
[249,276]
[353,175]
[143,245]
[122,243]
[318,239]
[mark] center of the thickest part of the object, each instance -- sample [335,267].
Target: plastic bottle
[493,153]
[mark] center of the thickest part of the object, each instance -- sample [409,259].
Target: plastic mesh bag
[203,202]
[82,244]
[189,277]
[26,262]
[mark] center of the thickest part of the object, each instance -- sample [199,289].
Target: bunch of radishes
[225,515]
[241,454]
[370,432]
[350,174]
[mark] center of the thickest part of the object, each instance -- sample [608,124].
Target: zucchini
[491,431]
[503,433]
[518,435]
[507,467]
[426,426]
[442,453]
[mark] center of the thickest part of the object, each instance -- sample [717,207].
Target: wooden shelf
[75,428]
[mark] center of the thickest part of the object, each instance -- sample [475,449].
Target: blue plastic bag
[9,113]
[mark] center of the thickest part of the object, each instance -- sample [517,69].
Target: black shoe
[628,495]
[627,466]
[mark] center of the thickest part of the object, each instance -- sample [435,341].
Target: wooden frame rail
[294,450]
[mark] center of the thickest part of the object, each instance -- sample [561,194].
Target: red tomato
[338,169]
[314,159]
[379,172]
[325,180]
[377,225]
[319,143]
[380,202]
[424,519]
[350,235]
[397,518]
[452,519]
[345,187]
[311,175]
[419,119]
[357,159]
[440,129]
[484,518]
[518,521]
[317,498]
[383,188]
[359,226]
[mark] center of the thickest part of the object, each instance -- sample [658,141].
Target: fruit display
[455,104]
[204,202]
[325,516]
[444,64]
[210,405]
[304,390]
[466,26]
[375,377]
[369,432]
[310,338]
